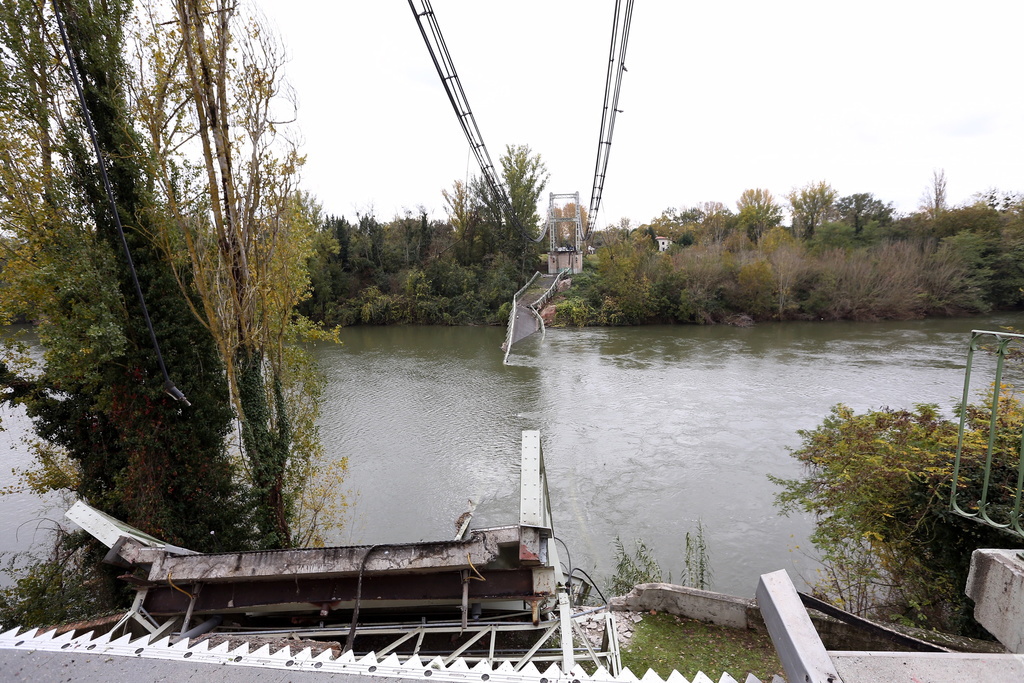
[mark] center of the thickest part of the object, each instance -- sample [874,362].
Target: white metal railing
[507,346]
[544,298]
[533,307]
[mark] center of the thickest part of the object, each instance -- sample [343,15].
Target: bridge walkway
[526,322]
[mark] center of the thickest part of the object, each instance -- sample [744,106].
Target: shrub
[878,485]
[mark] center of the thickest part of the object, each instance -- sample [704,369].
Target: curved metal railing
[547,296]
[984,509]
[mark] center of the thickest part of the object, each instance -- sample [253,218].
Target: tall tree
[108,432]
[525,176]
[215,77]
[858,210]
[811,205]
[933,201]
[758,212]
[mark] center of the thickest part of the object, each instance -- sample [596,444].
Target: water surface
[645,430]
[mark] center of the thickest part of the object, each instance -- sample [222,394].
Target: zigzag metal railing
[287,659]
[1012,521]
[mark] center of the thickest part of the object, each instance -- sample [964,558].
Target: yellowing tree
[812,205]
[211,97]
[758,212]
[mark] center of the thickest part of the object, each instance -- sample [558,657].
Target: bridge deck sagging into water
[524,318]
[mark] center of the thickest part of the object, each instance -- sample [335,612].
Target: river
[644,430]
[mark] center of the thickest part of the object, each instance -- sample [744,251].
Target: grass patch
[664,642]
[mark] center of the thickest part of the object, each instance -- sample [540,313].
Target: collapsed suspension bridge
[565,256]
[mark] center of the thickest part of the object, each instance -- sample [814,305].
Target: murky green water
[644,430]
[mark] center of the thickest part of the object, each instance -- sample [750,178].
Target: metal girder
[534,502]
[310,594]
[554,220]
[513,571]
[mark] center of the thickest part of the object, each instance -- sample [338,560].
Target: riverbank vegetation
[840,258]
[848,264]
[182,98]
[878,485]
[640,566]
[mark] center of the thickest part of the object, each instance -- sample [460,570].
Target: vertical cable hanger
[169,386]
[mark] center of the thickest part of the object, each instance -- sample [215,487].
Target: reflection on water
[644,430]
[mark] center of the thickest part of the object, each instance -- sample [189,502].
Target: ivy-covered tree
[210,75]
[108,431]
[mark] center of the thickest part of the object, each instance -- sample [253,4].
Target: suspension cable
[169,386]
[617,66]
[457,96]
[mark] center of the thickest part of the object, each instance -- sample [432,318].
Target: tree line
[840,258]
[410,269]
[845,257]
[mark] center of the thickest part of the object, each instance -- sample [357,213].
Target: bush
[878,485]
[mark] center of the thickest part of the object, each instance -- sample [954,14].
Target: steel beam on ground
[797,643]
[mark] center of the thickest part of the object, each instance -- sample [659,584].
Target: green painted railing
[996,513]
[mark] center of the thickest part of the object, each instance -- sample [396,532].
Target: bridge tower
[565,231]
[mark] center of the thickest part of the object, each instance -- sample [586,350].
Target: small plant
[631,569]
[641,567]
[697,572]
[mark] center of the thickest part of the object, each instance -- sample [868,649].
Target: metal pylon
[557,205]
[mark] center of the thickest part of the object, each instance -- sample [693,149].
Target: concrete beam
[954,667]
[692,603]
[996,584]
[481,549]
[797,643]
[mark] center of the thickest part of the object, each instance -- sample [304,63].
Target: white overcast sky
[720,96]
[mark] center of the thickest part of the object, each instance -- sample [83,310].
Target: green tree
[98,403]
[861,209]
[811,206]
[107,432]
[210,77]
[525,176]
[758,212]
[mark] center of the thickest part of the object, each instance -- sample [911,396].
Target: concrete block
[691,603]
[996,584]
